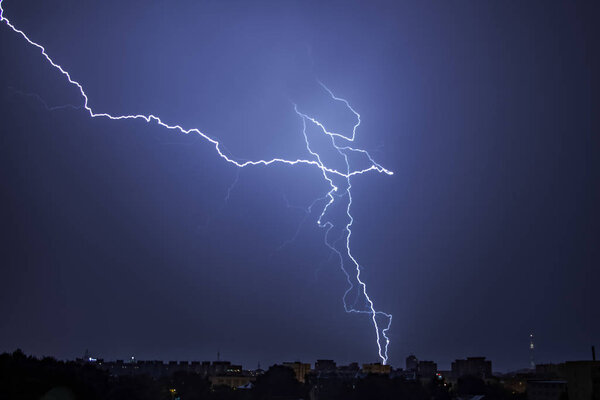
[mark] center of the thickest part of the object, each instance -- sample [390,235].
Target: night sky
[120,236]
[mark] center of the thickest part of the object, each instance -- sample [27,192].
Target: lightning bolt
[343,150]
[339,182]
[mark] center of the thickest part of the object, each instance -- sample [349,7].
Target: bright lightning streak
[332,194]
[329,174]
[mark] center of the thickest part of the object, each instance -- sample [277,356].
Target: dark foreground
[26,377]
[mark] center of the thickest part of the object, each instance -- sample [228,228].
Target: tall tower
[531,352]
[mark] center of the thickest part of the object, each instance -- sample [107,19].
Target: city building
[426,369]
[548,371]
[376,368]
[219,367]
[472,366]
[348,372]
[412,363]
[300,369]
[546,390]
[583,379]
[325,366]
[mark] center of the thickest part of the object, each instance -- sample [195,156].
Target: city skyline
[469,378]
[410,363]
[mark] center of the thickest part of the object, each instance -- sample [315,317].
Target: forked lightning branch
[339,182]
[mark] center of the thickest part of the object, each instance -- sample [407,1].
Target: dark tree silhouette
[279,383]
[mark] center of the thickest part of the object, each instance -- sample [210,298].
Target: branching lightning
[339,182]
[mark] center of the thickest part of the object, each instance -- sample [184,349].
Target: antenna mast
[531,352]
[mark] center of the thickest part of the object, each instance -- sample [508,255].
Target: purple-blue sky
[116,237]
